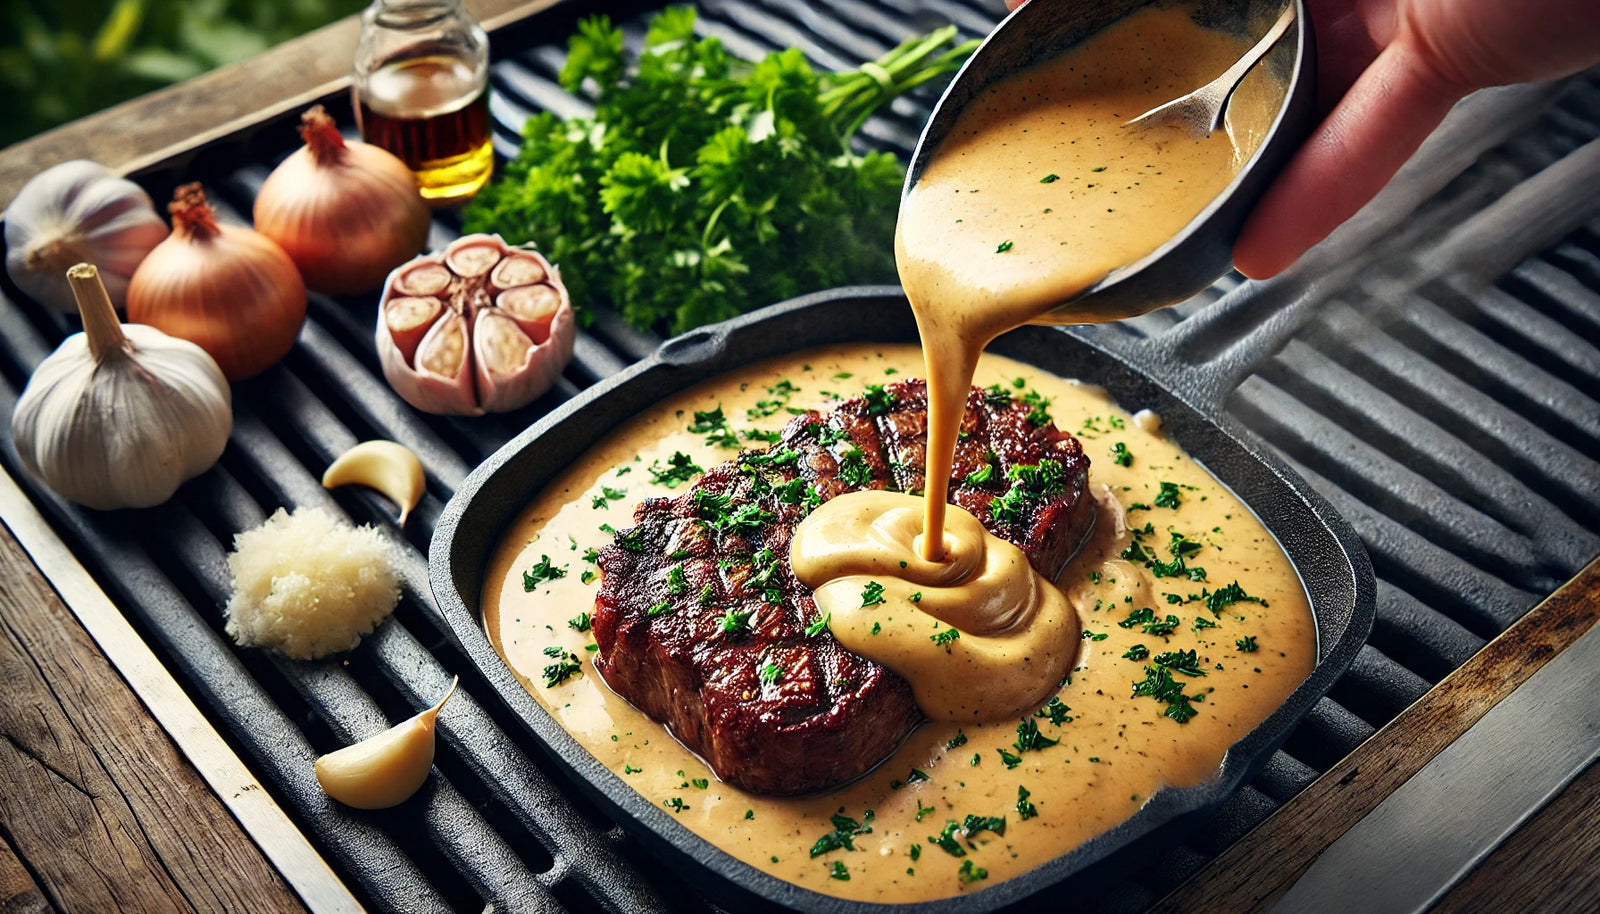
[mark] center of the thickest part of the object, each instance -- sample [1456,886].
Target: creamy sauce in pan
[1113,753]
[1035,196]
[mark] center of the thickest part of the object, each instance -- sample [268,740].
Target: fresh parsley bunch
[704,186]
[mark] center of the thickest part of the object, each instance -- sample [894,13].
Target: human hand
[1387,73]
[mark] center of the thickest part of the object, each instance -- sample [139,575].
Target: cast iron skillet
[1330,560]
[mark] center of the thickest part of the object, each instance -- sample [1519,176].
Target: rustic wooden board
[99,811]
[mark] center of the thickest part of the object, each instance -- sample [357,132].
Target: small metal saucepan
[1203,250]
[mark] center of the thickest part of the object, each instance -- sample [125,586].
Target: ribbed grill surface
[1455,425]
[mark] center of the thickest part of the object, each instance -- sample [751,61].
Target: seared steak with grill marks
[702,625]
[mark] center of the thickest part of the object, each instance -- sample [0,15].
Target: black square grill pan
[1324,549]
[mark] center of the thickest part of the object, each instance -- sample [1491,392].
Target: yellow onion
[346,213]
[229,290]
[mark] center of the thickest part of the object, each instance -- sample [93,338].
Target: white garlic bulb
[78,212]
[119,415]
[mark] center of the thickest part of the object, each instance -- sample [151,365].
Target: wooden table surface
[101,809]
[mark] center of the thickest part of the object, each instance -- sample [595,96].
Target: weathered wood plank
[19,894]
[1265,863]
[98,804]
[171,121]
[1547,865]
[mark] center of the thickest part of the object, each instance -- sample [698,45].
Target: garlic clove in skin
[383,770]
[120,414]
[77,212]
[479,327]
[386,466]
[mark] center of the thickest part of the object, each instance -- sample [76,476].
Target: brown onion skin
[345,212]
[227,289]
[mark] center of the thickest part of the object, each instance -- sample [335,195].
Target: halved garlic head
[384,770]
[390,468]
[478,327]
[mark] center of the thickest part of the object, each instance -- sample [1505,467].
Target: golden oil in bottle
[422,92]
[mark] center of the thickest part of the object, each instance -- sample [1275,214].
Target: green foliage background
[62,59]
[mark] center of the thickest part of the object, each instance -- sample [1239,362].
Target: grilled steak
[702,625]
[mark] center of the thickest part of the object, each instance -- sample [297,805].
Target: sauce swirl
[1007,636]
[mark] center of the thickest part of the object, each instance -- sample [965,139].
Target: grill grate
[1455,426]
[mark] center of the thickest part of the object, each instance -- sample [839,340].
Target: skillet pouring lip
[1325,551]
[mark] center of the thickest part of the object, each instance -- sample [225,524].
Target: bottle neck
[408,14]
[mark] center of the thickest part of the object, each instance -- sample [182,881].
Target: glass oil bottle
[422,92]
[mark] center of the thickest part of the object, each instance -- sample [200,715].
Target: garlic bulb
[119,415]
[78,212]
[386,769]
[481,327]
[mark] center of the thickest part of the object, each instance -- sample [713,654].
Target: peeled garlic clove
[423,279]
[383,465]
[409,319]
[474,256]
[384,770]
[532,307]
[518,269]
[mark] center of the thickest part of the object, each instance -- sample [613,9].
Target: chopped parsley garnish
[567,664]
[960,739]
[915,853]
[678,469]
[975,825]
[1025,809]
[879,400]
[734,622]
[845,830]
[1029,486]
[871,594]
[877,627]
[981,475]
[946,841]
[1054,711]
[541,572]
[1120,455]
[756,434]
[591,555]
[1036,402]
[629,769]
[749,814]
[792,492]
[1145,618]
[706,594]
[675,804]
[1004,246]
[1011,761]
[970,873]
[1227,596]
[780,394]
[818,625]
[1050,178]
[606,496]
[677,583]
[714,425]
[1247,644]
[771,458]
[944,638]
[1029,739]
[579,623]
[701,783]
[659,609]
[854,470]
[1168,497]
[922,810]
[839,872]
[1201,622]
[1160,684]
[771,674]
[1137,652]
[588,576]
[1185,662]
